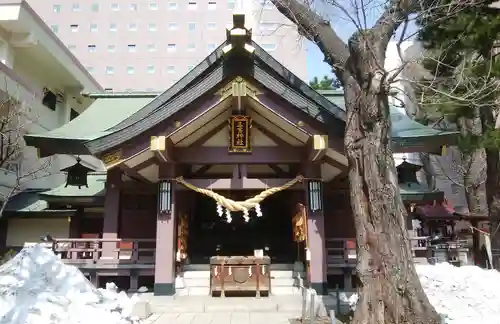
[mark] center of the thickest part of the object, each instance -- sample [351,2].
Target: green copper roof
[405,131]
[96,188]
[103,114]
[26,202]
[418,192]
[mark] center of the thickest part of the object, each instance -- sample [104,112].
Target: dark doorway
[210,234]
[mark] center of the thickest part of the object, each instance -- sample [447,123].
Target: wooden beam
[201,171]
[210,134]
[220,155]
[143,164]
[162,146]
[316,147]
[133,174]
[279,171]
[238,184]
[334,163]
[302,122]
[275,138]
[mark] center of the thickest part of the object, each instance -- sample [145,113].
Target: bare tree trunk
[390,290]
[492,183]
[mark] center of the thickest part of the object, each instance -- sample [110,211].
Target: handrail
[91,250]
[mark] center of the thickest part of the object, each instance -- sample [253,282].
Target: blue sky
[344,28]
[315,64]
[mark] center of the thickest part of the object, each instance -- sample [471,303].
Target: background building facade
[43,80]
[150,44]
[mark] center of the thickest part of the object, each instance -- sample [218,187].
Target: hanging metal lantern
[315,195]
[77,174]
[165,197]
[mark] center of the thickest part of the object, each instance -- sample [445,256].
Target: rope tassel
[239,206]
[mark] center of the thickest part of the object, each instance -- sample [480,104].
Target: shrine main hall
[232,180]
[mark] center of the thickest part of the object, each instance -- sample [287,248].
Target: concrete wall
[21,230]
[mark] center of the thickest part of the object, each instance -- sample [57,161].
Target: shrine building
[235,172]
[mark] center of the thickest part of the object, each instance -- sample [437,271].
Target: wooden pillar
[316,236]
[111,213]
[74,223]
[165,241]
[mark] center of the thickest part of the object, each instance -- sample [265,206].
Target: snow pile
[462,295]
[36,287]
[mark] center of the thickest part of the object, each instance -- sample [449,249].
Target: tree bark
[492,183]
[390,290]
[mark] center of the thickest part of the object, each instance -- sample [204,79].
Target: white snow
[36,287]
[461,295]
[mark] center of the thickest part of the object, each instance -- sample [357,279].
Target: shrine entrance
[211,234]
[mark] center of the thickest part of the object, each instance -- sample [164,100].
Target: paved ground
[220,318]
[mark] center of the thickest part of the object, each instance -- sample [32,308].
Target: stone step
[198,304]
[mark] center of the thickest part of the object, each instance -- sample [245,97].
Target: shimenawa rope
[235,206]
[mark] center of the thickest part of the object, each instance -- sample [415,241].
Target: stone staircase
[284,282]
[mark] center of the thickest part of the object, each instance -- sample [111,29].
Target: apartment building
[44,80]
[150,44]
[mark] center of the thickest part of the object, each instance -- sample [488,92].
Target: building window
[75,7]
[133,7]
[231,4]
[132,27]
[190,67]
[130,70]
[211,26]
[211,47]
[111,48]
[110,70]
[172,5]
[73,114]
[191,47]
[151,48]
[94,7]
[150,69]
[192,5]
[152,27]
[49,100]
[92,48]
[269,47]
[115,6]
[171,47]
[153,6]
[74,28]
[131,48]
[113,27]
[56,8]
[171,69]
[172,26]
[192,26]
[55,28]
[93,27]
[212,5]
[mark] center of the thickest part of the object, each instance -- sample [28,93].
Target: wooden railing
[105,251]
[341,252]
